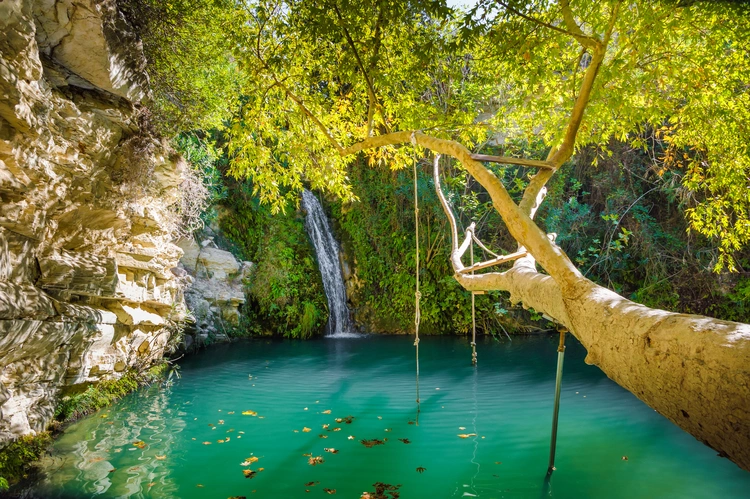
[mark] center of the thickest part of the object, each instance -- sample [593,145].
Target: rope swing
[417,293]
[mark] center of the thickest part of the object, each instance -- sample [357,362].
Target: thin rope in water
[417,293]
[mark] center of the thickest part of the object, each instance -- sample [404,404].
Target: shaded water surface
[503,408]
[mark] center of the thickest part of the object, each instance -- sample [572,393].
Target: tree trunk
[692,369]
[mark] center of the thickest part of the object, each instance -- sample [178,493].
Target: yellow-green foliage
[16,456]
[106,392]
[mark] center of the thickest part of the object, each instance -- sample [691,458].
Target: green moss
[106,392]
[16,457]
[285,291]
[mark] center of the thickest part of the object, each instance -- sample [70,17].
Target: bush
[16,457]
[104,393]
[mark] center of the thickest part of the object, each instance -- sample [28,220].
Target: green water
[506,402]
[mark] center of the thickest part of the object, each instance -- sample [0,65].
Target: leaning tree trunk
[694,370]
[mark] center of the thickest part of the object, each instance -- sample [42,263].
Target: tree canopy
[322,76]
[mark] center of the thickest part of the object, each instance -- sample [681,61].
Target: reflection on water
[96,456]
[479,432]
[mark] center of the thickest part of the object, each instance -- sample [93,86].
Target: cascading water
[327,251]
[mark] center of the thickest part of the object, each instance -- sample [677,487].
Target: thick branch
[444,204]
[519,224]
[575,30]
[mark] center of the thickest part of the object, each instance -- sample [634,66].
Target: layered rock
[216,293]
[86,288]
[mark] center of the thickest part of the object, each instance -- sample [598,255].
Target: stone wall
[86,286]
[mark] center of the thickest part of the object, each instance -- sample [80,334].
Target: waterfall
[327,251]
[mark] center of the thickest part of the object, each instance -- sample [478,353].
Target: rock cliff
[216,293]
[88,208]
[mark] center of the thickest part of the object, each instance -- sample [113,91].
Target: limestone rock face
[86,288]
[216,293]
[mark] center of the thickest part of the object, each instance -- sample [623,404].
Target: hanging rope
[473,319]
[417,293]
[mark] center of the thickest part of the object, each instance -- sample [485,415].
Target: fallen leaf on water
[350,437]
[193,439]
[221,421]
[466,435]
[388,429]
[421,469]
[325,426]
[161,458]
[239,436]
[249,413]
[151,484]
[461,427]
[382,491]
[311,484]
[498,462]
[250,460]
[261,469]
[306,429]
[405,440]
[337,429]
[200,485]
[305,408]
[211,424]
[314,460]
[206,443]
[329,491]
[331,450]
[140,444]
[230,430]
[411,422]
[624,458]
[113,470]
[242,432]
[230,412]
[327,411]
[323,436]
[120,450]
[220,441]
[261,417]
[295,431]
[226,439]
[309,454]
[372,443]
[249,473]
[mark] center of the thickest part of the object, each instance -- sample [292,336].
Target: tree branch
[580,36]
[505,160]
[574,29]
[372,97]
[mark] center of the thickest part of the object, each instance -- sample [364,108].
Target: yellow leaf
[467,435]
[306,429]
